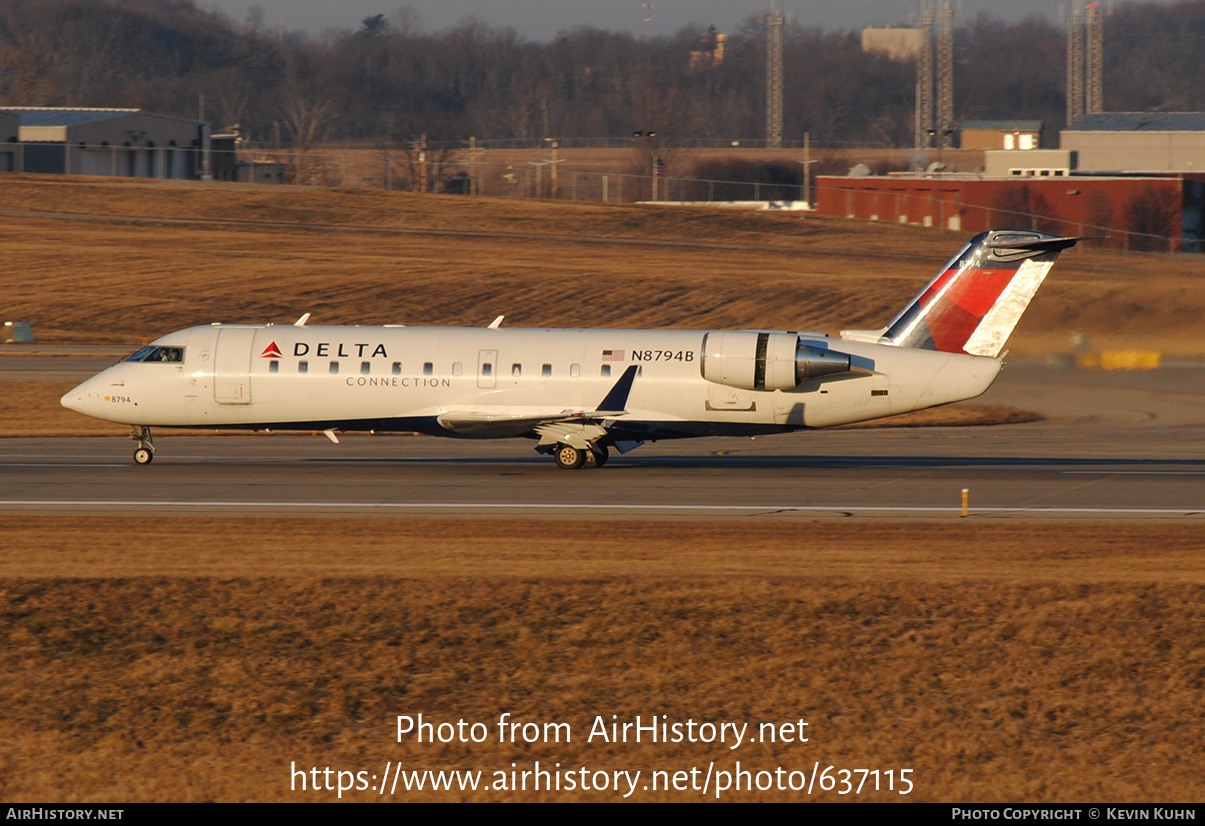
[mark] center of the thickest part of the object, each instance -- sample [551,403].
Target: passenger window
[334,367]
[365,368]
[487,369]
[575,370]
[457,368]
[428,368]
[516,370]
[606,371]
[397,368]
[546,370]
[303,367]
[274,366]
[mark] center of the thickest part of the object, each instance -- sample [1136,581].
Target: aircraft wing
[499,424]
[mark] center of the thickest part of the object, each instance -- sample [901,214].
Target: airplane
[578,393]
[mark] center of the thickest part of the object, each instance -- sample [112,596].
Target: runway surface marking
[596,507]
[1135,472]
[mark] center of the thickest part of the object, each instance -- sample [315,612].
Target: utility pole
[418,149]
[475,154]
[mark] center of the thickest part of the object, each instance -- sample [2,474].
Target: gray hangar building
[121,143]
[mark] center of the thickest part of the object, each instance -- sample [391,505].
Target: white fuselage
[423,378]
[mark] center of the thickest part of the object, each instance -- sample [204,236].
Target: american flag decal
[612,355]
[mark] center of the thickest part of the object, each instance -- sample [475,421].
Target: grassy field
[202,658]
[145,661]
[244,254]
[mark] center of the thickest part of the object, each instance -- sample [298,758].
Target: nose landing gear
[145,453]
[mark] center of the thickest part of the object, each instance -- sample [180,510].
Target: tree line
[384,79]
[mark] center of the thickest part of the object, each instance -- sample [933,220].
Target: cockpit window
[170,355]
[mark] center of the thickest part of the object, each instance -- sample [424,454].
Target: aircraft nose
[75,398]
[83,398]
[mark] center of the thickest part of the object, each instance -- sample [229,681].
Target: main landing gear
[145,453]
[574,458]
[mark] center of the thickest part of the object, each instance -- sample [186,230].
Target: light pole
[805,191]
[647,135]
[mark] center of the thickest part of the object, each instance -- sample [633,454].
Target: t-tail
[977,299]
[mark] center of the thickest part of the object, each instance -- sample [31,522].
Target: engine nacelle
[766,361]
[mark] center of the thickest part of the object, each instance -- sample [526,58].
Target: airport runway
[1010,472]
[1114,445]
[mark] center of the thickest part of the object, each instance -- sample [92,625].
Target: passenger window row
[487,369]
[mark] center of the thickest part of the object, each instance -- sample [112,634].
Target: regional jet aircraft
[578,393]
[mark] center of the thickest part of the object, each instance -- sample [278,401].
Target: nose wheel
[145,453]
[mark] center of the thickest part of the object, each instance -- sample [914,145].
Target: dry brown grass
[31,408]
[153,662]
[87,281]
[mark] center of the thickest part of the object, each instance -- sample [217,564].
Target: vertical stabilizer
[977,299]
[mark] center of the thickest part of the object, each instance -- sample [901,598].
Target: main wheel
[600,455]
[569,457]
[143,456]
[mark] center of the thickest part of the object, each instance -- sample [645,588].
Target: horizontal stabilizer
[1046,244]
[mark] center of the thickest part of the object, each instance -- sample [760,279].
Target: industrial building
[1137,212]
[121,143]
[1113,142]
[1001,134]
[10,126]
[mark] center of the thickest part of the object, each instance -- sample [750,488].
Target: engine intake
[767,361]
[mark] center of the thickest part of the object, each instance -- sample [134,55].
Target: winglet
[496,323]
[301,321]
[617,400]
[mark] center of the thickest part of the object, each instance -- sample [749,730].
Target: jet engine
[766,361]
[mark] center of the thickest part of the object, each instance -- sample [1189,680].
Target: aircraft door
[487,369]
[199,364]
[232,365]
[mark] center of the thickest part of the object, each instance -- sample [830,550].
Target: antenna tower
[924,81]
[774,22]
[1075,62]
[1096,35]
[945,75]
